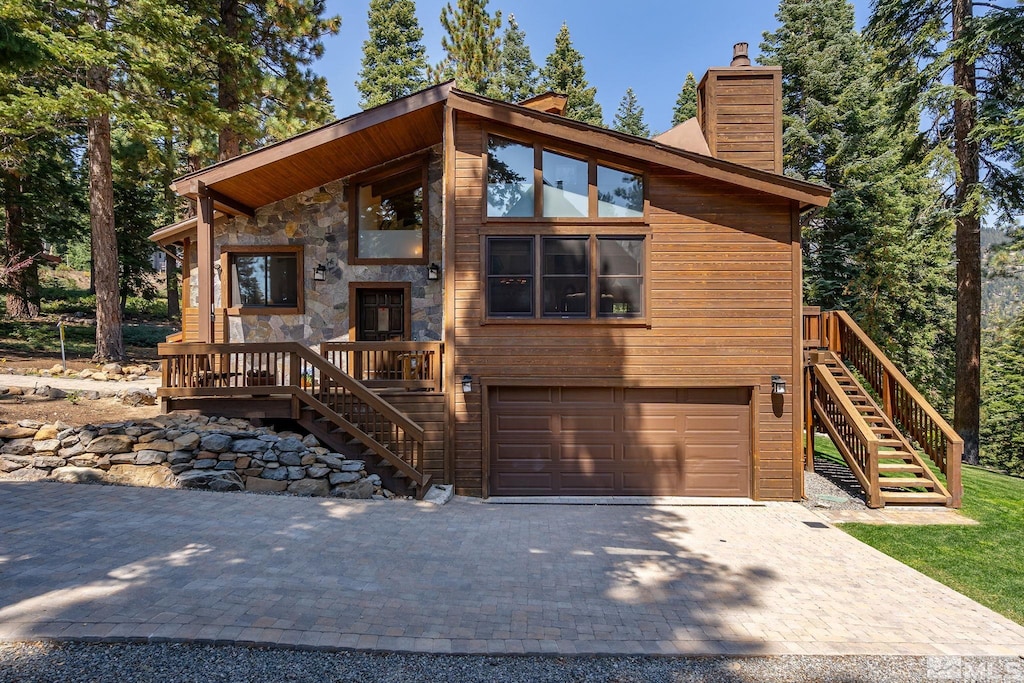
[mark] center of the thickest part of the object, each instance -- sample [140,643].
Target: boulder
[57,369]
[224,465]
[9,463]
[99,376]
[111,443]
[310,441]
[258,485]
[55,393]
[82,460]
[48,462]
[78,475]
[85,374]
[150,457]
[161,445]
[138,397]
[290,443]
[178,457]
[48,445]
[16,432]
[90,395]
[343,477]
[46,432]
[153,476]
[439,494]
[122,459]
[289,458]
[71,451]
[27,474]
[204,464]
[352,465]
[331,460]
[112,369]
[318,471]
[215,442]
[19,447]
[295,473]
[153,435]
[309,487]
[14,391]
[360,490]
[187,442]
[276,474]
[213,480]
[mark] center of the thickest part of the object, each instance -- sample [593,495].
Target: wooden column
[204,259]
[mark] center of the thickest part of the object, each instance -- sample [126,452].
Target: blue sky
[646,45]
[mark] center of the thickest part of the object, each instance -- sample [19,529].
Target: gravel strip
[832,487]
[178,663]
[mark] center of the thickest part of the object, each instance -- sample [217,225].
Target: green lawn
[984,562]
[41,338]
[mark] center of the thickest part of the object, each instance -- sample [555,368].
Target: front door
[381,315]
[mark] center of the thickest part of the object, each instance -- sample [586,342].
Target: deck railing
[904,405]
[193,370]
[851,434]
[394,364]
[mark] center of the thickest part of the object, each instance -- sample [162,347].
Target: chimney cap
[740,55]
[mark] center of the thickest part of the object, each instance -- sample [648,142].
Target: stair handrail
[867,474]
[915,415]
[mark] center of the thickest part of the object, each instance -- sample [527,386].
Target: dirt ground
[82,412]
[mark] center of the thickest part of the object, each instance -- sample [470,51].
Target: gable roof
[413,123]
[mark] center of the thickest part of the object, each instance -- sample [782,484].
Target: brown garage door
[614,441]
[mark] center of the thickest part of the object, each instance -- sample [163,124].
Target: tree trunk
[173,292]
[967,407]
[229,140]
[22,284]
[109,342]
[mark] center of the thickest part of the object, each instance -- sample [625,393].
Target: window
[510,277]
[571,187]
[572,271]
[389,217]
[509,178]
[264,277]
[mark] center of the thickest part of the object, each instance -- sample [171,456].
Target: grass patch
[41,338]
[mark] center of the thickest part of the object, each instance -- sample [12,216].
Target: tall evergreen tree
[563,72]
[881,248]
[686,103]
[630,116]
[394,59]
[933,48]
[516,77]
[1002,432]
[471,45]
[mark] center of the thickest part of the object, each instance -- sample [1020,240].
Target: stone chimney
[739,108]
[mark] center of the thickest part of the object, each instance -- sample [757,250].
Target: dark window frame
[419,161]
[538,277]
[592,160]
[229,253]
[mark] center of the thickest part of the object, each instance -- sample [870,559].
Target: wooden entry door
[381,315]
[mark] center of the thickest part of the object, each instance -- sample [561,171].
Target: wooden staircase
[902,476]
[340,411]
[882,440]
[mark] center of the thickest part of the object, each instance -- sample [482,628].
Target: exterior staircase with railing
[333,406]
[882,440]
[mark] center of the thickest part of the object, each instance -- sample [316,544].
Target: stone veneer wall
[318,220]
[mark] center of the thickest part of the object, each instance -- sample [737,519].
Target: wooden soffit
[334,151]
[651,151]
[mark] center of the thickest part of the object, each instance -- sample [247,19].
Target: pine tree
[1002,429]
[394,59]
[933,48]
[471,45]
[880,249]
[686,103]
[515,79]
[630,116]
[563,72]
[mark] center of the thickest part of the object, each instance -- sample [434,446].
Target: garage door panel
[613,441]
[525,452]
[569,452]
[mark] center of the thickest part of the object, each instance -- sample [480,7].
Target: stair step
[899,467]
[911,497]
[890,442]
[906,482]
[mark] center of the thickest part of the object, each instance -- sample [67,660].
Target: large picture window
[389,217]
[570,273]
[571,187]
[264,278]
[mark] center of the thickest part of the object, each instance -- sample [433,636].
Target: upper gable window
[619,193]
[509,178]
[571,187]
[390,218]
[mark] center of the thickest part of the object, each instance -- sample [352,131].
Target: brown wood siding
[722,307]
[742,116]
[426,410]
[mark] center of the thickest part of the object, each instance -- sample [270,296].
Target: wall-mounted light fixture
[319,273]
[467,384]
[778,385]
[433,272]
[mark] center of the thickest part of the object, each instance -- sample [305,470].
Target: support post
[204,259]
[809,418]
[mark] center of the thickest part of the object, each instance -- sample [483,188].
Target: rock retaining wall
[183,451]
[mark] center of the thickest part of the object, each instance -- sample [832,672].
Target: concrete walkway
[76,384]
[84,562]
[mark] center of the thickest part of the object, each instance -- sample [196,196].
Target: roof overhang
[364,140]
[807,194]
[176,233]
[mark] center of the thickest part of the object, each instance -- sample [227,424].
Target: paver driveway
[120,563]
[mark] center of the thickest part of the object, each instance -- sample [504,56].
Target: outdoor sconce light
[433,272]
[778,385]
[319,273]
[467,384]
